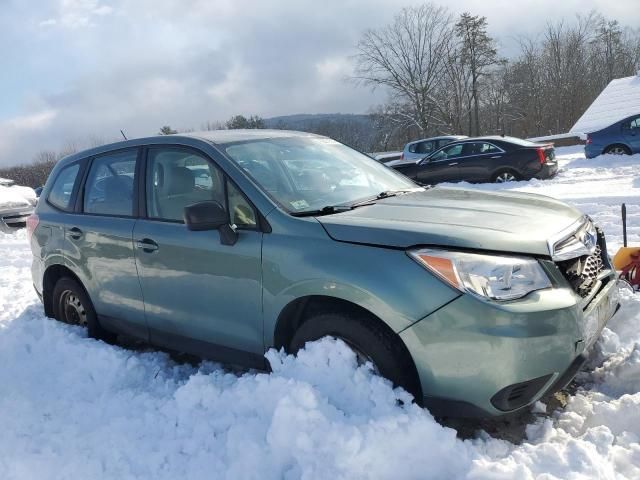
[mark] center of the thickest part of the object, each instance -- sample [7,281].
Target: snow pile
[72,407]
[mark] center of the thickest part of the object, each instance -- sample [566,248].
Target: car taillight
[402,156]
[541,156]
[32,224]
[589,140]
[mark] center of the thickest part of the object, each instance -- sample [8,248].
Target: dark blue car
[621,138]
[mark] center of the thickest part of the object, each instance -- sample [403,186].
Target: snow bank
[72,407]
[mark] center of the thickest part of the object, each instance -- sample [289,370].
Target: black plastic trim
[520,394]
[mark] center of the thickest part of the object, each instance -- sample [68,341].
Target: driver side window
[177,178]
[448,152]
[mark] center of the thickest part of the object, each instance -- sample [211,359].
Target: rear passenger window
[60,194]
[109,186]
[177,178]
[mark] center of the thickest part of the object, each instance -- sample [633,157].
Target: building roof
[619,100]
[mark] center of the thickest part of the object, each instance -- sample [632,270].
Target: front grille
[17,224]
[582,272]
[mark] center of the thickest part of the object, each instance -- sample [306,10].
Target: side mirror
[210,215]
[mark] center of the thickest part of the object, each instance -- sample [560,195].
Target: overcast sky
[75,69]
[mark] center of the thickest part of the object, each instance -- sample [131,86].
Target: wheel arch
[51,276]
[299,310]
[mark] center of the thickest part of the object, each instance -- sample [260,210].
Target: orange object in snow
[627,259]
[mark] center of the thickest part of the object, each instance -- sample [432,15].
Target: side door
[442,166]
[98,240]
[479,159]
[631,133]
[200,296]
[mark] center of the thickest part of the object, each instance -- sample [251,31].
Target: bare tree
[409,58]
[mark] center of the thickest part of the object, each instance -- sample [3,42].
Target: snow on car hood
[14,197]
[456,217]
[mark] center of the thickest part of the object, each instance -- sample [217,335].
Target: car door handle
[497,156]
[74,233]
[452,164]
[147,245]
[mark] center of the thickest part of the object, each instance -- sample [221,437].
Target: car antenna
[123,135]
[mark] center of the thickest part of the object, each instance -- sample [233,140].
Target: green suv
[226,244]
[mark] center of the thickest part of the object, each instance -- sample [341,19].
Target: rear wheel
[72,305]
[370,341]
[617,150]
[504,176]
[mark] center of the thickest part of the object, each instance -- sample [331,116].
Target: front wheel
[370,340]
[72,305]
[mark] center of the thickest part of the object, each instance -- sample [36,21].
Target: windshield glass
[307,173]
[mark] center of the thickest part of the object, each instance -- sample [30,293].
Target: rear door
[200,296]
[631,133]
[442,166]
[98,240]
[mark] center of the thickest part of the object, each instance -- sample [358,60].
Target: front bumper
[13,220]
[476,358]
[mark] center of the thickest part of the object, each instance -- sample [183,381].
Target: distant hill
[308,119]
[357,130]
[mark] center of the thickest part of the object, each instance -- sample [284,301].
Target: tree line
[443,73]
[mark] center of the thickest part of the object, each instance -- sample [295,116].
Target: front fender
[384,281]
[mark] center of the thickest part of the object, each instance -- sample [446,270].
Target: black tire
[72,305]
[368,336]
[504,176]
[617,150]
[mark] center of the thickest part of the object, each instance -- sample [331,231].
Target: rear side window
[62,189]
[109,186]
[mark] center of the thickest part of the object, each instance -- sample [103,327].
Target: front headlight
[492,277]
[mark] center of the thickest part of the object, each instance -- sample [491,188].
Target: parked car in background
[484,159]
[16,204]
[419,149]
[226,244]
[621,138]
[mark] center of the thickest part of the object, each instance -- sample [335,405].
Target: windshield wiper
[329,209]
[385,194]
[326,210]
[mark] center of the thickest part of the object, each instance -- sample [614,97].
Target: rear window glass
[60,194]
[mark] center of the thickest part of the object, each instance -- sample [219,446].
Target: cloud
[77,14]
[106,65]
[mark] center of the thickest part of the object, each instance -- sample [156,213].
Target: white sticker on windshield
[299,204]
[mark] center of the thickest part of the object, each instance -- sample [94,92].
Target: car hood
[456,217]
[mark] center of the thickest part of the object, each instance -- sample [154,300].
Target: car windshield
[305,174]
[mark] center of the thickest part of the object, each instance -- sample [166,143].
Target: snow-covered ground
[72,407]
